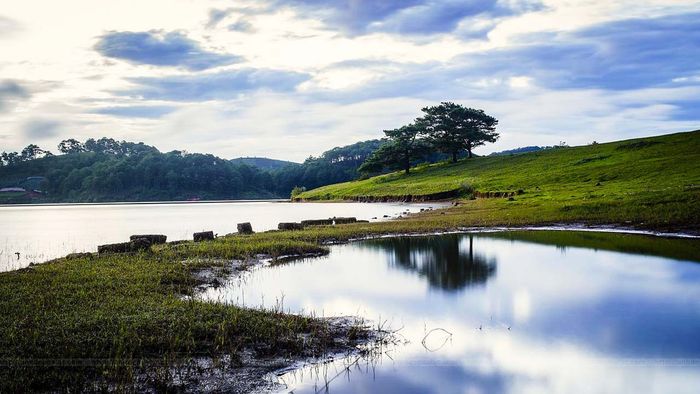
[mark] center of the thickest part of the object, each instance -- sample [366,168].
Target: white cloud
[51,51]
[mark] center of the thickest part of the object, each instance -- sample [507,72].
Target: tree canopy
[402,150]
[452,128]
[447,128]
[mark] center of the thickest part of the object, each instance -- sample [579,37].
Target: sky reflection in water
[524,316]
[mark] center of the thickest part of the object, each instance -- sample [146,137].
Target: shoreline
[175,202]
[613,229]
[179,202]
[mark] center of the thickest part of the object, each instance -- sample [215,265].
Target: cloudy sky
[291,78]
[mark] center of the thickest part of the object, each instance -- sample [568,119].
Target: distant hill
[263,163]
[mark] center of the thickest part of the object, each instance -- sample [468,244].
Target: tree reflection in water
[448,262]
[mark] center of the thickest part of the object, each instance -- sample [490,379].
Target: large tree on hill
[452,128]
[403,148]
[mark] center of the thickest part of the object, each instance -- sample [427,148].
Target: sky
[291,78]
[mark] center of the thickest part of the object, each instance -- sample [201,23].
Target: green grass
[650,182]
[113,312]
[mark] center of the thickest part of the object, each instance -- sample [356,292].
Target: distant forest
[100,170]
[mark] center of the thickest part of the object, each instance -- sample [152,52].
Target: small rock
[125,247]
[244,228]
[317,222]
[122,247]
[139,244]
[290,226]
[153,238]
[344,220]
[203,236]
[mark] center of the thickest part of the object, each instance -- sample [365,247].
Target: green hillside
[650,180]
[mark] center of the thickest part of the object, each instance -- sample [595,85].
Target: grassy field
[651,182]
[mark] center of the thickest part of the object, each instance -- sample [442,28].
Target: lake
[43,232]
[536,311]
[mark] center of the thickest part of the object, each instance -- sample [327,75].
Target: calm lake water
[499,312]
[40,233]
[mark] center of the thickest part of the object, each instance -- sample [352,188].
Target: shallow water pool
[523,311]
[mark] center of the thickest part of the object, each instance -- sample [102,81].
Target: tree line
[69,146]
[105,169]
[31,152]
[448,128]
[109,170]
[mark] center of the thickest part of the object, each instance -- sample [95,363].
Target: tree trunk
[469,149]
[407,164]
[454,157]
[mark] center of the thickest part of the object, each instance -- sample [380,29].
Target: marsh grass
[108,320]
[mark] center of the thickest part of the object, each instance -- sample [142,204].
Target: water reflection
[448,263]
[612,314]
